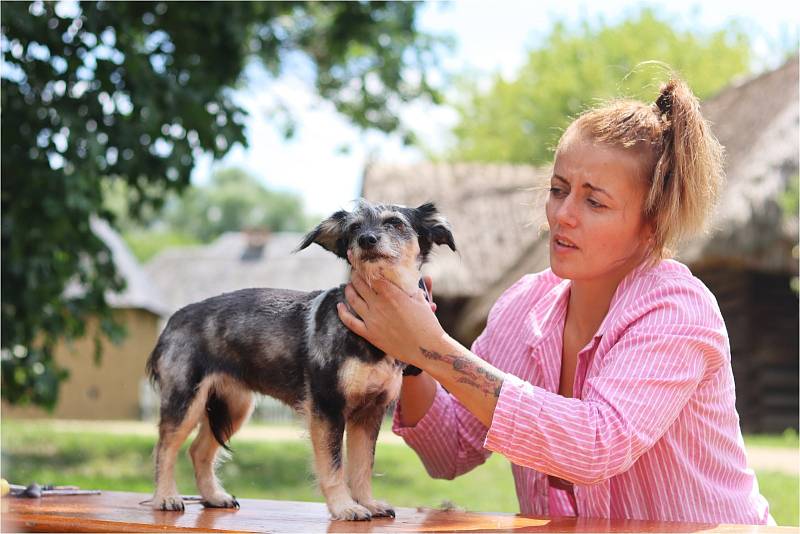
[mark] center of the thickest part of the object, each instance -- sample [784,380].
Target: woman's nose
[566,213]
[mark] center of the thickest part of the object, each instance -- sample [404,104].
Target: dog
[213,355]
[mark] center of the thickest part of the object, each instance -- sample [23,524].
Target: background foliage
[134,92]
[232,201]
[520,120]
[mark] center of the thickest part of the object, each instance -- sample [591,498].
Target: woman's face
[594,211]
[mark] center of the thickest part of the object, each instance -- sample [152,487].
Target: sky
[324,162]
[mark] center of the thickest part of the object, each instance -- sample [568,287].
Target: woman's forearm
[475,383]
[416,398]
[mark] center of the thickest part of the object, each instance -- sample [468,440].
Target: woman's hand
[405,327]
[397,323]
[428,281]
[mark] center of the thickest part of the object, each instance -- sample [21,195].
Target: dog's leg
[362,434]
[327,433]
[205,448]
[173,429]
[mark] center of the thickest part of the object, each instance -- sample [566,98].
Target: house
[110,389]
[747,259]
[750,255]
[238,260]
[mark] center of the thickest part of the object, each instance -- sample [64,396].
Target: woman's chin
[561,270]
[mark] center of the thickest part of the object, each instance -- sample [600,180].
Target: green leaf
[82,122]
[520,120]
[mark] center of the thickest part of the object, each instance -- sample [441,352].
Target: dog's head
[384,234]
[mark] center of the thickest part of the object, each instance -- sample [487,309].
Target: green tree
[520,120]
[234,200]
[135,91]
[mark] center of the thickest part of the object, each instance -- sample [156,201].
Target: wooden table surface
[121,512]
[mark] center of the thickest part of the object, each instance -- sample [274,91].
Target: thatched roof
[241,260]
[758,123]
[490,207]
[140,292]
[496,216]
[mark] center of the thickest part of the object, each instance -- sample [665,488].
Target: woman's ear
[648,237]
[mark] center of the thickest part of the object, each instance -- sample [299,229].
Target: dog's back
[256,336]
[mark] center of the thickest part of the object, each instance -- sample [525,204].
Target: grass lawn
[34,451]
[788,439]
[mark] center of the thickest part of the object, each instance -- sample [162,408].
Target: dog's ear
[329,234]
[432,227]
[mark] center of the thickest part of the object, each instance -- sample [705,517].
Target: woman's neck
[589,301]
[588,306]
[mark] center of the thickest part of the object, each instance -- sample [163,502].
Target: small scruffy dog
[291,345]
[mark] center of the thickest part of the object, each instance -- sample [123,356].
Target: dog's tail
[151,367]
[219,418]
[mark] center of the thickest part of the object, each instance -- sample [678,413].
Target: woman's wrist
[416,397]
[473,381]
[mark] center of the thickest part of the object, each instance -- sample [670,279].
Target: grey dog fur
[287,344]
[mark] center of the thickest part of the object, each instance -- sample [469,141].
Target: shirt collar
[548,312]
[637,272]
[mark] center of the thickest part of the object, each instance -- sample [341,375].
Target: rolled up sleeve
[448,439]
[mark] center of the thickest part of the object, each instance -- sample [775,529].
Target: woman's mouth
[563,243]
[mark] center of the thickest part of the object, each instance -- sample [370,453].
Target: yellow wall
[107,391]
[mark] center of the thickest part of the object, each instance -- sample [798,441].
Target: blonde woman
[606,379]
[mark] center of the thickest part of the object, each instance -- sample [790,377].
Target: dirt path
[779,459]
[782,460]
[250,432]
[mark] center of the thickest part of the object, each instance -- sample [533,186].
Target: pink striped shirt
[652,431]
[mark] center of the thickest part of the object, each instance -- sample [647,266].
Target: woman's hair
[682,158]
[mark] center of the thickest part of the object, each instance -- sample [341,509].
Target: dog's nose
[367,241]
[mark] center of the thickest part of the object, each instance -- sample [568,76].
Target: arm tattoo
[470,382]
[471,373]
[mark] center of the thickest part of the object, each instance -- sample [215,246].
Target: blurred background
[157,153]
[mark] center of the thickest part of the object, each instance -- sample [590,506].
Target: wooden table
[121,512]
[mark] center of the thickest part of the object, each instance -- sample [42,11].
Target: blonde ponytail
[688,172]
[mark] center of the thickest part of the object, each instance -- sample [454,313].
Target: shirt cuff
[430,422]
[515,415]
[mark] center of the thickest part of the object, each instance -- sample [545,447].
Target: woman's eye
[593,203]
[557,192]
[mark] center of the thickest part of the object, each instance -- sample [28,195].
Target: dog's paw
[169,503]
[379,508]
[221,500]
[351,511]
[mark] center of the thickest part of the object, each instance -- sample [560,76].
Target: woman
[606,379]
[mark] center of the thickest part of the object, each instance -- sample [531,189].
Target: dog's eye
[355,227]
[394,221]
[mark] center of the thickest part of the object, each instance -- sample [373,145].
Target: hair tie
[664,103]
